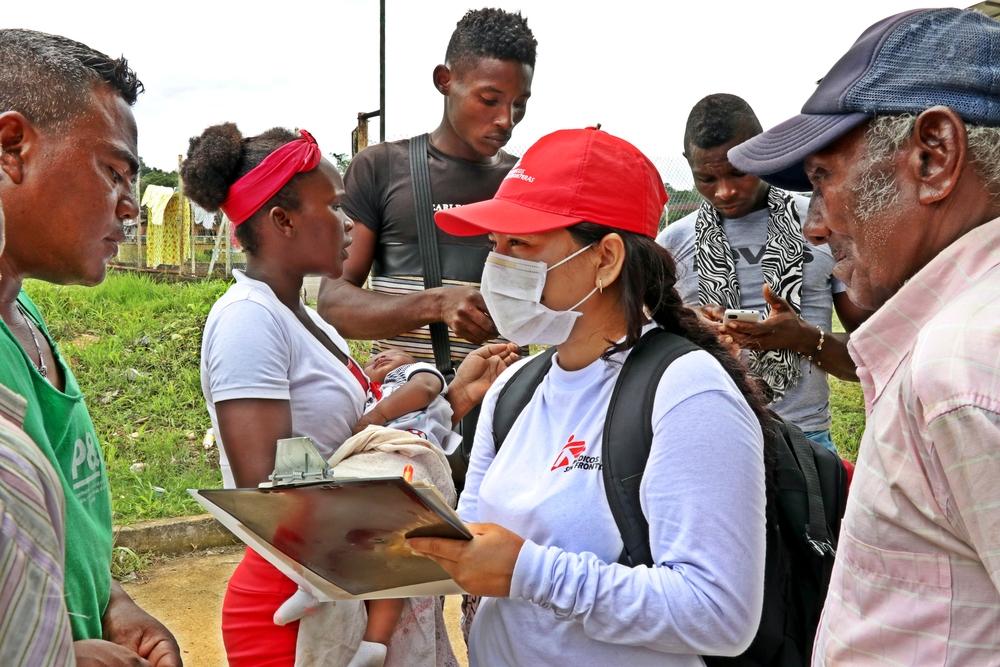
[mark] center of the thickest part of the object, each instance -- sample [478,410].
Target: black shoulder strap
[628,436]
[817,534]
[516,394]
[628,427]
[423,209]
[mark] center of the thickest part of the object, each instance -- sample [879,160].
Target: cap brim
[502,216]
[777,155]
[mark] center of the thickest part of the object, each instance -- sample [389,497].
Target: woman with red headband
[575,266]
[271,368]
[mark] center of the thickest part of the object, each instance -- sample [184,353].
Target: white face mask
[512,289]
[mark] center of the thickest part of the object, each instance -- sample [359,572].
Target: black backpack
[807,494]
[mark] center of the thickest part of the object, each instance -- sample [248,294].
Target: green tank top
[60,425]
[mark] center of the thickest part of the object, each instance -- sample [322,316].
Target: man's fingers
[160,648]
[481,318]
[775,301]
[165,655]
[474,325]
[465,313]
[745,328]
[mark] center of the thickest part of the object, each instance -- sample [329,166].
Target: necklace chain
[42,370]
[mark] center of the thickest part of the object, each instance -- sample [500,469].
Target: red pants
[255,592]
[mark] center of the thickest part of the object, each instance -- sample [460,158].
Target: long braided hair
[648,290]
[648,278]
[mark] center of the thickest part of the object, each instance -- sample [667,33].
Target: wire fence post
[140,260]
[224,229]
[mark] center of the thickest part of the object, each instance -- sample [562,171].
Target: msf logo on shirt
[571,457]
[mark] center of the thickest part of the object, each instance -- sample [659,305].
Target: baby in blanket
[413,397]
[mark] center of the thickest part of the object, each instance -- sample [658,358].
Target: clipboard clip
[297,461]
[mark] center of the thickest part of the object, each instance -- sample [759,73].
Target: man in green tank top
[68,162]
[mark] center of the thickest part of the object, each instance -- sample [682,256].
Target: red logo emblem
[569,453]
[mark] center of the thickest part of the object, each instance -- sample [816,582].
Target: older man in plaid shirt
[900,144]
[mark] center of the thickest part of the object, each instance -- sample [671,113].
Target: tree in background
[153,176]
[341,160]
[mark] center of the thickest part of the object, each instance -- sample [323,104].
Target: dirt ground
[186,594]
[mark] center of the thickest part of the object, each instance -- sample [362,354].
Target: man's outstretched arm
[363,314]
[784,330]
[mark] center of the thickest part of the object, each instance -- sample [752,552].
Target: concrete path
[186,592]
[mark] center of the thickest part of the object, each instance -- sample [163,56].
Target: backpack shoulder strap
[628,435]
[516,394]
[430,259]
[817,533]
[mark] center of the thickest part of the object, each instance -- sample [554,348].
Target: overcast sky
[636,67]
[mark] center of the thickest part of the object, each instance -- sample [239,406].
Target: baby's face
[383,362]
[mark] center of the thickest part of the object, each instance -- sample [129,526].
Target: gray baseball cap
[903,64]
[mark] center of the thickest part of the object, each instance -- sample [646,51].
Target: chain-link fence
[684,199]
[178,244]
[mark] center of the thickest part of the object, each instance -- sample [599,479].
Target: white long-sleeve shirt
[702,494]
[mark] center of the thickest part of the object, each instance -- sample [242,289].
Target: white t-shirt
[702,493]
[255,347]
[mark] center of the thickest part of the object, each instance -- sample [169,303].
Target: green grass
[847,410]
[126,563]
[134,345]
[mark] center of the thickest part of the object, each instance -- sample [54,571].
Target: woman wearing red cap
[575,266]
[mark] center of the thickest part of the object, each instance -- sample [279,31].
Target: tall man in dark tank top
[486,83]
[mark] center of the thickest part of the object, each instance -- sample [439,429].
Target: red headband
[258,185]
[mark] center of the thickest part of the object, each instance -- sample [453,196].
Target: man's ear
[610,251]
[442,79]
[938,153]
[17,139]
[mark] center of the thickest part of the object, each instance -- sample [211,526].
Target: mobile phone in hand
[738,315]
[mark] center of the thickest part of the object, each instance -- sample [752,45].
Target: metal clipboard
[339,538]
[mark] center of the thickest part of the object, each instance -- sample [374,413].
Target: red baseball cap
[567,177]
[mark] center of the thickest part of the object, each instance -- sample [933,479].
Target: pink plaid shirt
[917,577]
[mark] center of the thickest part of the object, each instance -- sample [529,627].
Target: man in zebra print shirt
[744,249]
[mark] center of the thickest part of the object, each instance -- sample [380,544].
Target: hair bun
[212,165]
